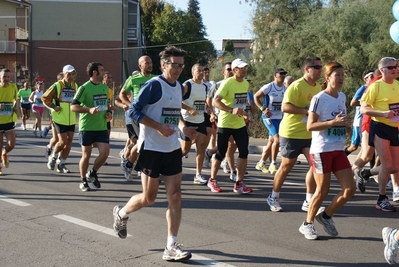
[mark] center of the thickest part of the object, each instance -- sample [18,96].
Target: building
[14,38]
[241,46]
[60,32]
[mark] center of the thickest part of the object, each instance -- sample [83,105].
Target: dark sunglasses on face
[316,67]
[175,65]
[392,67]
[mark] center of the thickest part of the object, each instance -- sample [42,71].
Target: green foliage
[228,48]
[352,32]
[168,26]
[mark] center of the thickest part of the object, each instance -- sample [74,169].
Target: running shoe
[213,185]
[360,181]
[93,178]
[391,245]
[225,166]
[384,205]
[274,203]
[261,167]
[51,163]
[395,196]
[328,225]
[127,172]
[122,154]
[23,127]
[4,158]
[199,179]
[62,169]
[120,224]
[308,231]
[84,186]
[241,188]
[48,152]
[389,184]
[233,176]
[272,168]
[305,207]
[35,133]
[176,253]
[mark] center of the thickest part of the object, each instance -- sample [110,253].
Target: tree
[228,48]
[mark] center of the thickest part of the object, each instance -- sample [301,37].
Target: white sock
[273,162]
[275,194]
[308,197]
[122,213]
[396,189]
[171,241]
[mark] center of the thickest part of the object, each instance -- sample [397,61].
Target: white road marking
[14,201]
[87,224]
[208,262]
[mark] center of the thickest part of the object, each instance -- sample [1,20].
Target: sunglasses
[316,67]
[392,67]
[175,65]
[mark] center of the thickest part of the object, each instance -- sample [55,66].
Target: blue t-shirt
[357,120]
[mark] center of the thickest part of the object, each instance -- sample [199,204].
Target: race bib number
[25,100]
[240,100]
[276,106]
[100,101]
[170,116]
[67,95]
[7,109]
[335,133]
[38,101]
[395,108]
[199,106]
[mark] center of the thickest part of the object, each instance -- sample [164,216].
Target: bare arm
[355,102]
[292,109]
[217,102]
[314,124]
[368,110]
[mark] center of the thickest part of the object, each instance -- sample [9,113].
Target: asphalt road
[47,221]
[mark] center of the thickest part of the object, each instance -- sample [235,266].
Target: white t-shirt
[328,107]
[272,99]
[196,101]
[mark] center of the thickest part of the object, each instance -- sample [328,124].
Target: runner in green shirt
[24,94]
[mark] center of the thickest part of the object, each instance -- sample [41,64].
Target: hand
[389,114]
[193,112]
[94,111]
[190,132]
[57,109]
[340,120]
[125,107]
[108,116]
[267,112]
[239,112]
[213,118]
[166,129]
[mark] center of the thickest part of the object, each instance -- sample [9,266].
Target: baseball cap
[280,70]
[68,69]
[238,63]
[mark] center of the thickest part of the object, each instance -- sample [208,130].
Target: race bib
[7,109]
[336,133]
[170,116]
[100,101]
[240,100]
[25,100]
[67,95]
[199,106]
[395,108]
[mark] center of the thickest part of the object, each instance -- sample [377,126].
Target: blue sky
[223,19]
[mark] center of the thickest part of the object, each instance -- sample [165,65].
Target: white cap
[68,69]
[238,63]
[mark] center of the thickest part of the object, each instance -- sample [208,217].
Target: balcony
[11,47]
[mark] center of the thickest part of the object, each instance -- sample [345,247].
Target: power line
[118,48]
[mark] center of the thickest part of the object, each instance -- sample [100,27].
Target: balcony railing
[11,47]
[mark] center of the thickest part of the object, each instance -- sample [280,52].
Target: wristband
[262,108]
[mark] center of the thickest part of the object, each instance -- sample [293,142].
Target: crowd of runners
[164,118]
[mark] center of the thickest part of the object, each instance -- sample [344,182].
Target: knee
[148,200]
[349,192]
[175,197]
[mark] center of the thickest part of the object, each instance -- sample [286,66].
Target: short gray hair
[384,61]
